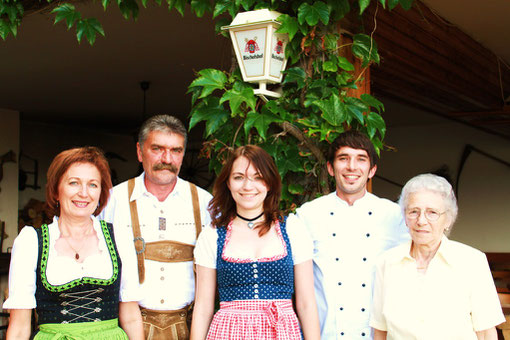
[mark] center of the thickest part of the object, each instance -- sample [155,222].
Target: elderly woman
[433,288]
[71,270]
[255,257]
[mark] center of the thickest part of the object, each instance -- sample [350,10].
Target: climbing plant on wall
[317,102]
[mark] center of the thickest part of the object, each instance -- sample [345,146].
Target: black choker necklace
[250,220]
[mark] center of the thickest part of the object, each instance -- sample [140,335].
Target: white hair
[434,183]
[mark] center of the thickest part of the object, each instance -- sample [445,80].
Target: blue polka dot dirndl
[255,295]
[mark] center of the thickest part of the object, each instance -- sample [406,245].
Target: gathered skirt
[255,320]
[101,330]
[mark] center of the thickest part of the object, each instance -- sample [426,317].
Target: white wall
[424,142]
[9,140]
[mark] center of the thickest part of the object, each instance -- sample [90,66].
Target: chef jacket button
[339,283]
[368,235]
[334,234]
[362,309]
[331,213]
[342,333]
[162,301]
[341,308]
[370,213]
[337,259]
[363,334]
[364,259]
[363,285]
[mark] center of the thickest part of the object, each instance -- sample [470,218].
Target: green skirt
[101,330]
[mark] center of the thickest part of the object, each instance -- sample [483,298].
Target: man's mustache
[162,166]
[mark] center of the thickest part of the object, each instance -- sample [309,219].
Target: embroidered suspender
[161,251]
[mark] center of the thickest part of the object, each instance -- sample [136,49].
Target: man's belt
[163,251]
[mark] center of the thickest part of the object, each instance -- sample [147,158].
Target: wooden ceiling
[431,64]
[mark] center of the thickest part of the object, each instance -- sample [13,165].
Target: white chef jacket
[167,286]
[347,242]
[22,272]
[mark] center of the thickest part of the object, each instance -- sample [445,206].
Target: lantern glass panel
[279,42]
[252,44]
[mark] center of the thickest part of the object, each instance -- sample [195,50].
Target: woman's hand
[380,335]
[204,302]
[130,319]
[306,305]
[19,324]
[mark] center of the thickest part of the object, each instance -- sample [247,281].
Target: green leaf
[105,3]
[289,25]
[333,110]
[406,4]
[339,8]
[343,78]
[247,4]
[200,7]
[329,66]
[177,4]
[5,29]
[373,102]
[365,48]
[296,189]
[279,110]
[383,3]
[363,4]
[311,14]
[218,24]
[290,161]
[345,64]
[129,7]
[392,4]
[260,121]
[67,12]
[331,42]
[356,108]
[210,79]
[88,27]
[374,123]
[238,95]
[210,111]
[295,75]
[223,6]
[10,10]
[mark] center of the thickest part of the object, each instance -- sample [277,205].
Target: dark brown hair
[223,207]
[62,162]
[356,140]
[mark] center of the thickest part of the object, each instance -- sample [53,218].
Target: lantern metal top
[259,16]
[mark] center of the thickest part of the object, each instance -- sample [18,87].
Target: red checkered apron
[255,319]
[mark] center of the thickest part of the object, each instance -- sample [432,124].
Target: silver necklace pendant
[251,225]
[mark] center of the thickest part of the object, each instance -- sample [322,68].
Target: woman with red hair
[70,271]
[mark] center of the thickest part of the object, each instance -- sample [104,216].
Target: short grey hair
[164,123]
[435,184]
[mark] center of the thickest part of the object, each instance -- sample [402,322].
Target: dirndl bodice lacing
[85,299]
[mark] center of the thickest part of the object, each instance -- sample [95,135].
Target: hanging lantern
[259,50]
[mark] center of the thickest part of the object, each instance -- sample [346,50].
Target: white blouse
[63,269]
[300,242]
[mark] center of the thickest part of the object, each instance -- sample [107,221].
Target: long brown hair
[62,162]
[223,207]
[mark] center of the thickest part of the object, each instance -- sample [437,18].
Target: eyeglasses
[430,214]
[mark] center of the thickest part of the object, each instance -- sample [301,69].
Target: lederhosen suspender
[161,251]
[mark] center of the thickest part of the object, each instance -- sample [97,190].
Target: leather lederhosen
[159,325]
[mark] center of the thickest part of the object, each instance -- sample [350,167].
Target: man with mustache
[165,214]
[350,228]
